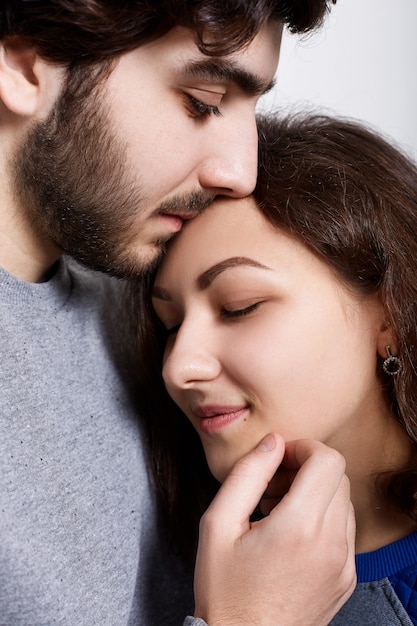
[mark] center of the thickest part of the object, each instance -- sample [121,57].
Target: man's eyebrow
[227,71]
[206,278]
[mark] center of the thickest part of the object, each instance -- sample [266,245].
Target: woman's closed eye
[240,312]
[166,328]
[172,330]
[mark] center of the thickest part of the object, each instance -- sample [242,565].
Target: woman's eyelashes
[166,329]
[200,109]
[173,330]
[240,312]
[224,314]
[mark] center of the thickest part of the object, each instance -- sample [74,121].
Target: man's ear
[20,73]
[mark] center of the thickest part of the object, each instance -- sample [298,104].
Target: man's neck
[23,253]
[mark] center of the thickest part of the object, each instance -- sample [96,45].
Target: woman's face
[263,337]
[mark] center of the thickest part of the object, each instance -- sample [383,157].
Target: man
[119,120]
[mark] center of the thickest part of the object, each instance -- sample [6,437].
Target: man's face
[109,179]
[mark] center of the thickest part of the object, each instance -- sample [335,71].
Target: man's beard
[71,180]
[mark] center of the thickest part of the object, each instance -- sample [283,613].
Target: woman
[295,311]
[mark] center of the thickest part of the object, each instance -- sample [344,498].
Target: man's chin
[143,263]
[128,262]
[151,264]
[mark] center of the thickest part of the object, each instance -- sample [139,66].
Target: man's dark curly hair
[80,32]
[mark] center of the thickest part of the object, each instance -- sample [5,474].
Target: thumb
[243,488]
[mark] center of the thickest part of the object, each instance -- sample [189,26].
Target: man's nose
[230,167]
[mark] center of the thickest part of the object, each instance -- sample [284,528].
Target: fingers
[277,488]
[351,539]
[240,566]
[243,488]
[300,450]
[320,473]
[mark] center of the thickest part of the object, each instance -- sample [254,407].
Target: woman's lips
[213,418]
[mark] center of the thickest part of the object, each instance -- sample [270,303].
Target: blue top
[386,593]
[398,563]
[387,561]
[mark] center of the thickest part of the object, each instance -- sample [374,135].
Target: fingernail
[268,443]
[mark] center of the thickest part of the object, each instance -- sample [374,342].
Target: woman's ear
[386,337]
[23,77]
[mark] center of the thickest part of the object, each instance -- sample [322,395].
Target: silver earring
[392,364]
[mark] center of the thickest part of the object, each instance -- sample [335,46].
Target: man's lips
[175,221]
[213,418]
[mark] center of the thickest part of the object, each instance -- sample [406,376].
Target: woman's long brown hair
[351,197]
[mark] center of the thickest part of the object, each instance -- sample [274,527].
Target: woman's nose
[190,359]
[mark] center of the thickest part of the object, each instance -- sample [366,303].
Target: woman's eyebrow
[205,279]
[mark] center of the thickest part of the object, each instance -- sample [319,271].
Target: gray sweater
[79,537]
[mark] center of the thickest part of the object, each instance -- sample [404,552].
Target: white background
[362,63]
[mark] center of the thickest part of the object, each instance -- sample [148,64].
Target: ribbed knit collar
[388,560]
